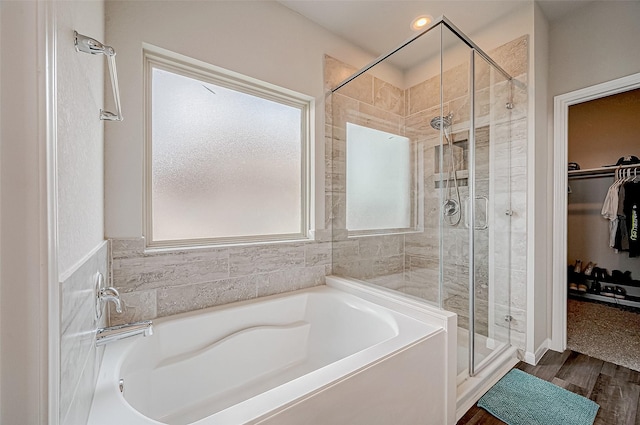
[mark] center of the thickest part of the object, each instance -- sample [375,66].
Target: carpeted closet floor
[605,332]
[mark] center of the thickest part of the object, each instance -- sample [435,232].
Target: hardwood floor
[615,388]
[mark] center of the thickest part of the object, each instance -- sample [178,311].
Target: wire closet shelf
[611,171]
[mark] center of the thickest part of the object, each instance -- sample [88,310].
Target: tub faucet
[110,294]
[118,332]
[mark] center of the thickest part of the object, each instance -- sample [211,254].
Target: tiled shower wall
[370,102]
[410,262]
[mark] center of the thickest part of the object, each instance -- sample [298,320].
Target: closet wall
[600,132]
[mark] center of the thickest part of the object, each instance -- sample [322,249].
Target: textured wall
[82,251]
[80,138]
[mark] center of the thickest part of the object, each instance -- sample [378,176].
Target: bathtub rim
[420,310]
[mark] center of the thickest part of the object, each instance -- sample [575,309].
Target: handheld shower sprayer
[451,207]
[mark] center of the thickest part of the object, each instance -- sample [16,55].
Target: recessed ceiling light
[421,22]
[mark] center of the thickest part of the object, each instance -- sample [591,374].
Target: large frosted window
[227,161]
[378,180]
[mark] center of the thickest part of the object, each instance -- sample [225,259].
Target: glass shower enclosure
[419,169]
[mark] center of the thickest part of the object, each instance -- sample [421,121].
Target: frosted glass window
[378,180]
[226,163]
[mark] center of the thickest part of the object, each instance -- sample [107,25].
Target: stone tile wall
[371,102]
[161,283]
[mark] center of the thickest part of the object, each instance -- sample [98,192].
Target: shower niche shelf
[461,174]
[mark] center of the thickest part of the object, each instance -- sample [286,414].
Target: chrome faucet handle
[110,290]
[111,294]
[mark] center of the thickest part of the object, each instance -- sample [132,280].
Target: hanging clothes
[610,212]
[631,210]
[622,233]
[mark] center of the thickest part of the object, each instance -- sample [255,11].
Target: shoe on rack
[608,291]
[593,281]
[577,268]
[619,293]
[589,268]
[573,286]
[605,276]
[617,276]
[582,288]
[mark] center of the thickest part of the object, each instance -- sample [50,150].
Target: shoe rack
[593,287]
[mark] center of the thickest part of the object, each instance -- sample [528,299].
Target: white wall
[1,37]
[80,141]
[263,40]
[23,309]
[541,177]
[596,43]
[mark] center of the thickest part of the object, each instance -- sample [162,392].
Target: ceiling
[378,26]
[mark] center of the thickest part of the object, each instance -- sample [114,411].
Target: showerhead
[438,123]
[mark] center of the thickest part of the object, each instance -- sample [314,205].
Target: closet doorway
[597,312]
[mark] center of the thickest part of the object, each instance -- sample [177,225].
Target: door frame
[561,105]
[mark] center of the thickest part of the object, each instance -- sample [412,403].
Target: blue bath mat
[522,399]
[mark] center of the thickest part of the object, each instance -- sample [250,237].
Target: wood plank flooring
[615,388]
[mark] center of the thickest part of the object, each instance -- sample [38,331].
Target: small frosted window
[225,163]
[378,180]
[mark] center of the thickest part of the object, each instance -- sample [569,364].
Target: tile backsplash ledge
[161,283]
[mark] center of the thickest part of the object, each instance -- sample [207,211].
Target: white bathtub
[318,356]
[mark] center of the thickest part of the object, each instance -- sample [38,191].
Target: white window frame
[158,58]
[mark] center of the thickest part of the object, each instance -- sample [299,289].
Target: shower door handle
[484,226]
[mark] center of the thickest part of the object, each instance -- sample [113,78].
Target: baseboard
[534,358]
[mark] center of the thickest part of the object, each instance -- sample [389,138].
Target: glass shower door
[489,209]
[453,185]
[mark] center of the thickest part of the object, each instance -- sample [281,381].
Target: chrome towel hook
[94,47]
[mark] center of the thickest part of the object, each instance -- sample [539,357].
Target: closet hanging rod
[94,47]
[600,171]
